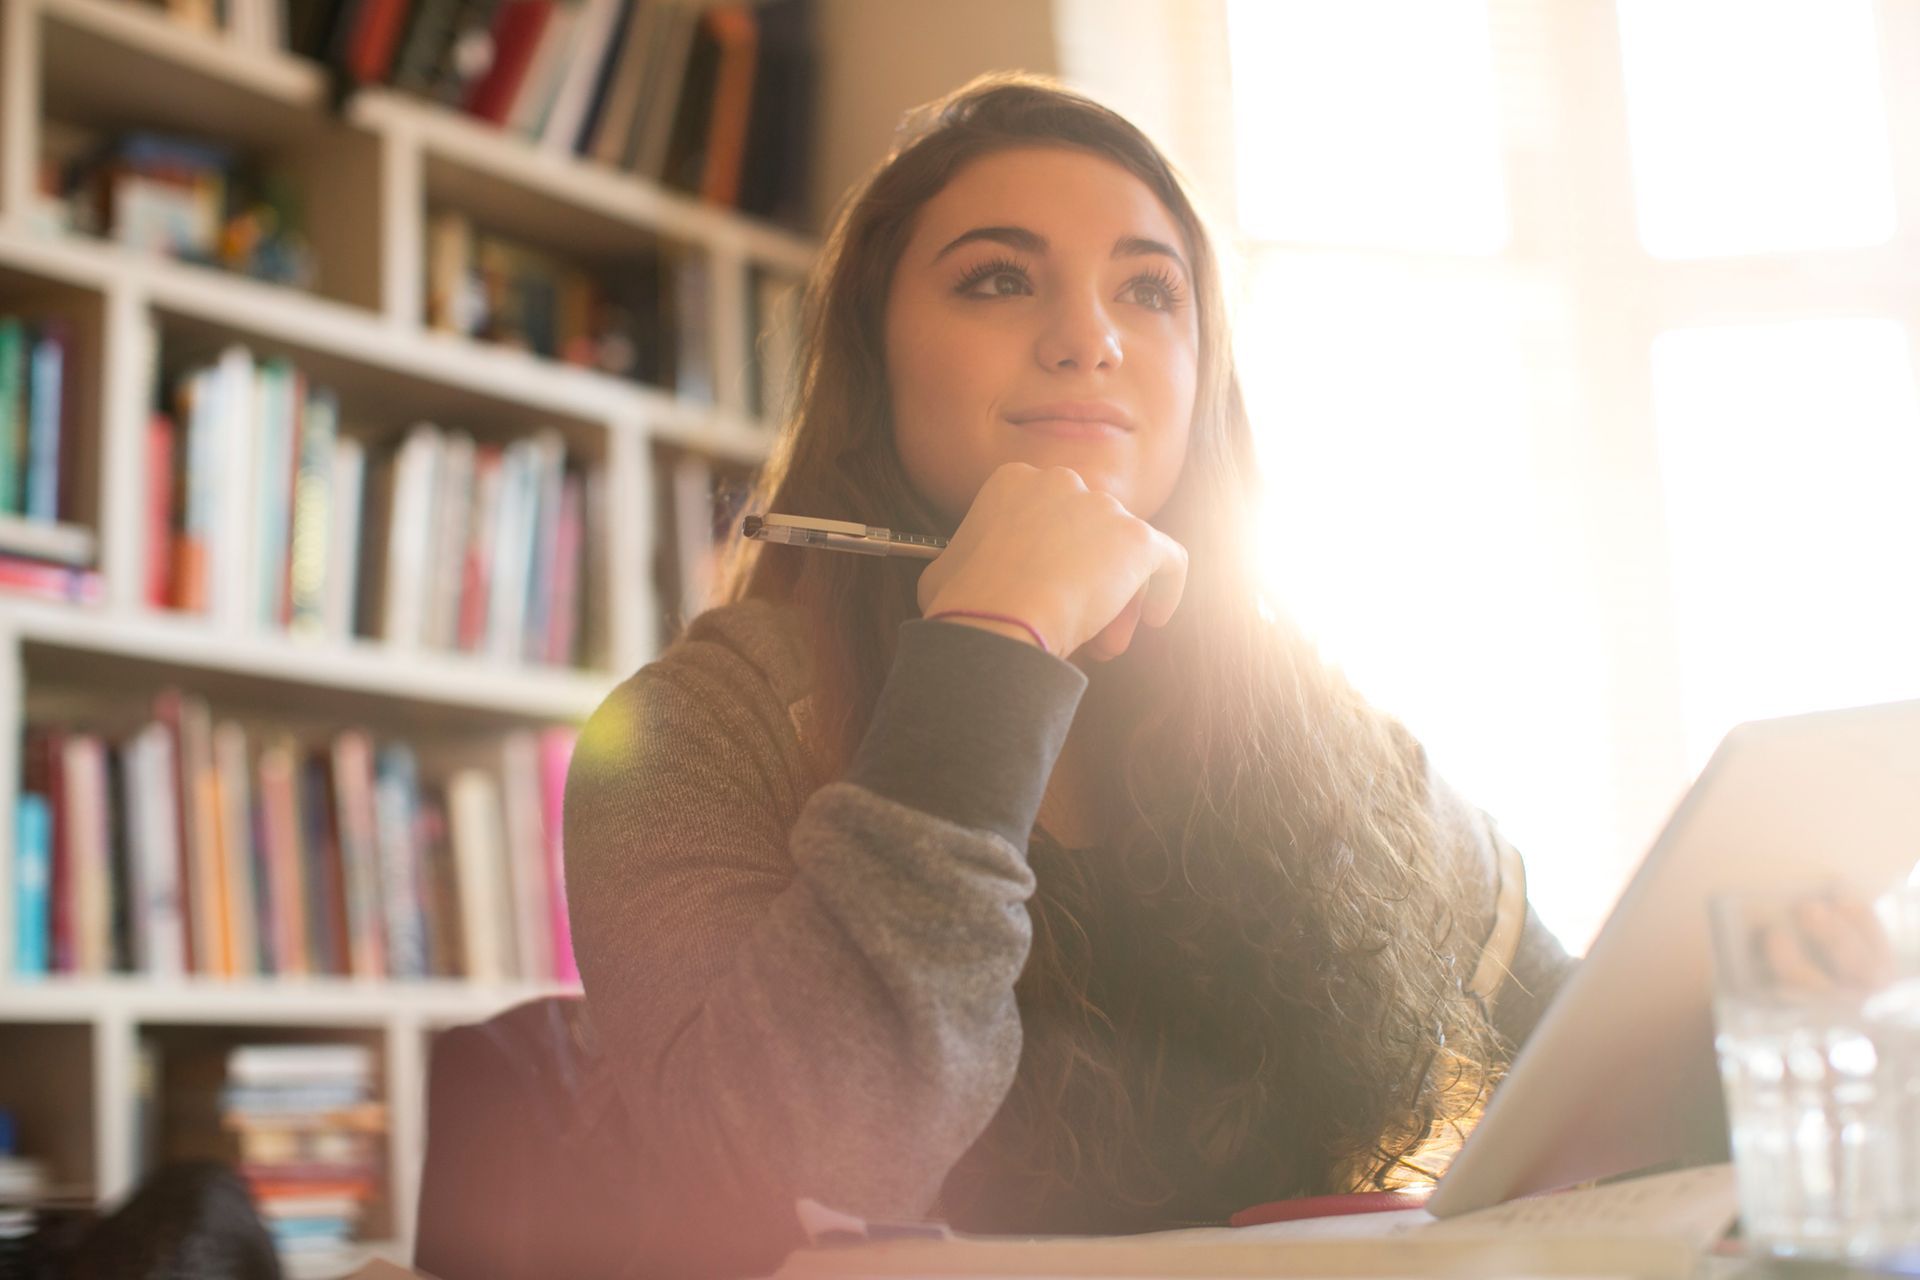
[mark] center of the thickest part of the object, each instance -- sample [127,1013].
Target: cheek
[939,398]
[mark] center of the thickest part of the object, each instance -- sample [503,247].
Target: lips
[1074,419]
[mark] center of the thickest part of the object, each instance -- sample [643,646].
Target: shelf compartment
[380,408]
[107,68]
[37,297]
[46,1081]
[181,1112]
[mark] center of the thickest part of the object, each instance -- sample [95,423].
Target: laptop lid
[1620,1074]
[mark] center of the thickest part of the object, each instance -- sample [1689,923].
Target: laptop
[1619,1075]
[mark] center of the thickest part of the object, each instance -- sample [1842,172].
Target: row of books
[40,553]
[190,846]
[711,99]
[642,317]
[188,197]
[264,512]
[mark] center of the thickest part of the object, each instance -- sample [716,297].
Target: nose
[1078,335]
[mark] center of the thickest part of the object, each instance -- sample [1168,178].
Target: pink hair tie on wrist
[1007,618]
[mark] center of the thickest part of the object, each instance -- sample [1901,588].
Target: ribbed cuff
[968,726]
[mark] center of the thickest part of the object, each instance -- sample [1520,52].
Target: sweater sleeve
[824,1009]
[1519,965]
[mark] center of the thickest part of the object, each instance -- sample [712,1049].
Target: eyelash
[1160,276]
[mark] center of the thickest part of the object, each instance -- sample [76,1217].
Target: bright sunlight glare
[1756,126]
[1790,455]
[1368,122]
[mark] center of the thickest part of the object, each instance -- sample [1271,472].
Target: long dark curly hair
[1262,984]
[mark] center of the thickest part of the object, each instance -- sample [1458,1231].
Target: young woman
[1054,885]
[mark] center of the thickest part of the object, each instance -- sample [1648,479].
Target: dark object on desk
[192,1219]
[527,1162]
[1331,1206]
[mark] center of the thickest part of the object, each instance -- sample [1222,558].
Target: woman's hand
[1039,545]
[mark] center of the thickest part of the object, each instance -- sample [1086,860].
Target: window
[1578,344]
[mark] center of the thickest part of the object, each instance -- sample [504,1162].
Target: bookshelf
[76,1051]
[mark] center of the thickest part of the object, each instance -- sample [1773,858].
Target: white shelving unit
[69,1047]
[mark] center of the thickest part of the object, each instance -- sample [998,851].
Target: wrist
[1009,625]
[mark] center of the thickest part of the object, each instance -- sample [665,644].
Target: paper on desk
[1653,1227]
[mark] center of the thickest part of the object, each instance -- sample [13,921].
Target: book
[409,533]
[32,885]
[395,809]
[524,842]
[327,925]
[273,393]
[312,540]
[452,517]
[230,441]
[602,28]
[152,800]
[660,93]
[13,413]
[73,546]
[285,1063]
[46,378]
[235,825]
[476,565]
[615,121]
[83,805]
[527,113]
[162,441]
[283,857]
[480,863]
[518,26]
[360,855]
[344,550]
[680,159]
[51,581]
[736,32]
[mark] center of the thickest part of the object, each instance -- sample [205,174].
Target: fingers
[1115,638]
[1844,938]
[1826,944]
[1167,584]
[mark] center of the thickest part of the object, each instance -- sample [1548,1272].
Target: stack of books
[201,847]
[263,512]
[39,555]
[309,1135]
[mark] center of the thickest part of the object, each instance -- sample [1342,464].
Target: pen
[841,535]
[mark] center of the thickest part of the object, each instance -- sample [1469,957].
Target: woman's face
[1042,312]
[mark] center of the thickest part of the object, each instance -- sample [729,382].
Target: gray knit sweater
[808,990]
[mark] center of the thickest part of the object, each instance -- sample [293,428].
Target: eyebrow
[1033,242]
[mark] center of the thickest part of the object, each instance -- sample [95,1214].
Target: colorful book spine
[355,819]
[312,536]
[344,549]
[47,365]
[395,801]
[32,885]
[162,440]
[13,408]
[235,817]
